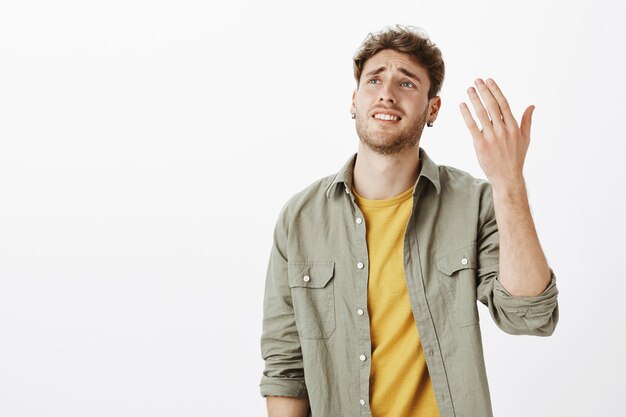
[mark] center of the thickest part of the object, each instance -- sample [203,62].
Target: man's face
[392,84]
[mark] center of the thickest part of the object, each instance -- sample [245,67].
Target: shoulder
[460,188]
[456,180]
[313,194]
[308,200]
[454,176]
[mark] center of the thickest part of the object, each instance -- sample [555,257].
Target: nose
[386,94]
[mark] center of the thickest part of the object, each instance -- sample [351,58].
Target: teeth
[385,117]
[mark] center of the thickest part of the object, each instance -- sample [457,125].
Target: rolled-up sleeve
[517,315]
[280,343]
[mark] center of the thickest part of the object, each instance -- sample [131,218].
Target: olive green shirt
[316,336]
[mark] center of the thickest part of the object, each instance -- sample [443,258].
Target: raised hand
[501,144]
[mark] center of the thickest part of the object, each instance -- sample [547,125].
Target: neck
[378,177]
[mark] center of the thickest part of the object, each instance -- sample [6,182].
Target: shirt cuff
[283,387]
[534,309]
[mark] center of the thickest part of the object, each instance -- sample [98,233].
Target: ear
[353,105]
[434,104]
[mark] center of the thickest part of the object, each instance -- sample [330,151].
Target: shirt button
[362,401]
[360,312]
[306,278]
[464,261]
[359,220]
[362,357]
[359,265]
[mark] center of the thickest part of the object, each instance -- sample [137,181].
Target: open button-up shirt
[316,336]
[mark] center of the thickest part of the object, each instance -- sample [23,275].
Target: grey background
[147,147]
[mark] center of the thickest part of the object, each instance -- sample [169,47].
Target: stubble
[391,142]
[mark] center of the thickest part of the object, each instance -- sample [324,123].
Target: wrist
[513,190]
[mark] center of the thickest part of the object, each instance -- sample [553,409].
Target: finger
[470,122]
[492,105]
[481,113]
[505,109]
[526,122]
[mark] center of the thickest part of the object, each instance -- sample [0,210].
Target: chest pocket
[459,268]
[313,296]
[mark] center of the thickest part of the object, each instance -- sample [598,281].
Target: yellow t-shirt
[399,381]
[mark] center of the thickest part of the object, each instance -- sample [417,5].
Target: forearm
[524,270]
[287,407]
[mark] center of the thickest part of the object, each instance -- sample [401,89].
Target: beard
[385,142]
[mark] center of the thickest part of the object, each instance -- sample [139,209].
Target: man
[371,292]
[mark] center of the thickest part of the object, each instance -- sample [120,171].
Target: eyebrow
[402,70]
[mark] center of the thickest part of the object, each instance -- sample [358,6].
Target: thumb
[526,121]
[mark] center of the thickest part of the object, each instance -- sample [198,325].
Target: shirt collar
[428,169]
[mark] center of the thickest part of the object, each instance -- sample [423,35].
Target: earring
[429,124]
[353,115]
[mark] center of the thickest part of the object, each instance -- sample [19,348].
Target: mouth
[386,119]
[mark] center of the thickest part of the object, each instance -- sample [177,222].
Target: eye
[372,79]
[408,82]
